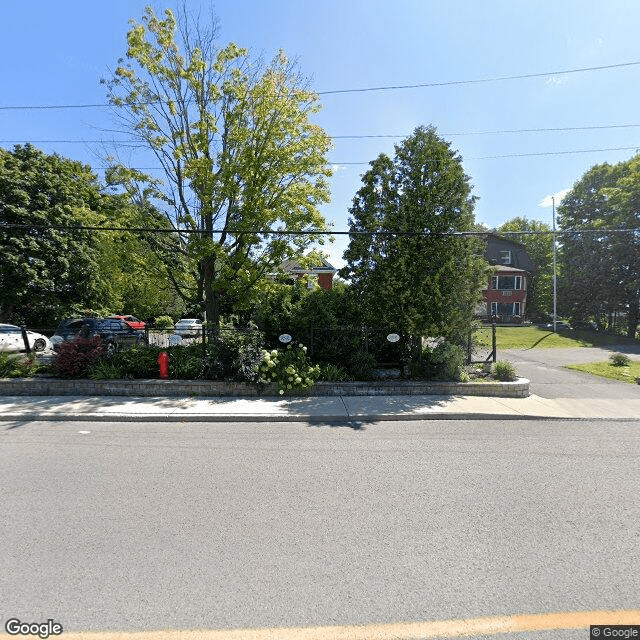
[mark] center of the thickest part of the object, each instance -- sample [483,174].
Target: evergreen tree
[407,268]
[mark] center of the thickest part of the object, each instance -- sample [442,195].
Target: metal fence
[481,345]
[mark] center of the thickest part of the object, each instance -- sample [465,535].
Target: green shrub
[289,368]
[334,373]
[165,323]
[13,365]
[448,360]
[106,370]
[361,365]
[504,371]
[444,362]
[6,364]
[234,354]
[620,360]
[137,362]
[186,362]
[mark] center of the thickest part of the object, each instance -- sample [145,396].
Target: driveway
[544,368]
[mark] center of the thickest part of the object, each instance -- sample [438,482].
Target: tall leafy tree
[406,266]
[601,269]
[537,238]
[239,152]
[46,271]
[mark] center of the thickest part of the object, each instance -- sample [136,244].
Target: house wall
[325,280]
[507,296]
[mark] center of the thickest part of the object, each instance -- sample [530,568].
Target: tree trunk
[211,302]
[633,318]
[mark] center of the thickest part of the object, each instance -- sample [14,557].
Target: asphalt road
[549,379]
[175,526]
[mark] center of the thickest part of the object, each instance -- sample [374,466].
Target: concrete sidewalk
[335,408]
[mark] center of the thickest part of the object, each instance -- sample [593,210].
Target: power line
[524,155]
[369,89]
[369,136]
[498,131]
[282,232]
[478,81]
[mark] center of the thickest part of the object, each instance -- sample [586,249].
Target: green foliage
[445,361]
[45,270]
[504,371]
[186,362]
[106,370]
[165,323]
[18,366]
[290,369]
[600,270]
[137,362]
[6,364]
[271,171]
[334,373]
[424,284]
[620,360]
[76,358]
[361,365]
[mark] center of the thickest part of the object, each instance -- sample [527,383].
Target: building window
[505,257]
[508,283]
[505,309]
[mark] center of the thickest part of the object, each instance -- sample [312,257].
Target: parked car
[188,327]
[115,332]
[560,326]
[132,321]
[11,339]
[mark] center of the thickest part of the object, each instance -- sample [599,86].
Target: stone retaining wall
[207,388]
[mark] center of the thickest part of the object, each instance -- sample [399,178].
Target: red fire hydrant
[163,361]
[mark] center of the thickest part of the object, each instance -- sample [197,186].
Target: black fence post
[25,339]
[311,336]
[493,340]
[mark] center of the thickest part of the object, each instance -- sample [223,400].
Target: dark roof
[519,256]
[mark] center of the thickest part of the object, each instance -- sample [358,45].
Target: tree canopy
[46,267]
[405,265]
[239,153]
[601,268]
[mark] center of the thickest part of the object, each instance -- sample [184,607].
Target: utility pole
[555,284]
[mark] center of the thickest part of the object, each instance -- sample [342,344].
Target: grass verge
[536,338]
[607,370]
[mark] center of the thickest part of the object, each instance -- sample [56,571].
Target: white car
[188,327]
[11,339]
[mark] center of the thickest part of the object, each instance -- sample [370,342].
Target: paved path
[356,409]
[549,379]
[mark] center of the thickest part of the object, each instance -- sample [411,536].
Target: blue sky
[54,53]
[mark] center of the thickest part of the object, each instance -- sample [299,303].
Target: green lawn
[607,370]
[536,338]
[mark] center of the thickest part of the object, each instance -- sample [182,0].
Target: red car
[132,321]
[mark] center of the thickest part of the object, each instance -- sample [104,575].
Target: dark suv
[116,333]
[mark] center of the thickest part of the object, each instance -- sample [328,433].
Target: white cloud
[547,201]
[555,80]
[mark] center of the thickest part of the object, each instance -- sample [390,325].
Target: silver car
[189,327]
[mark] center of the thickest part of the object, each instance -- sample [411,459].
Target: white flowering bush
[290,369]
